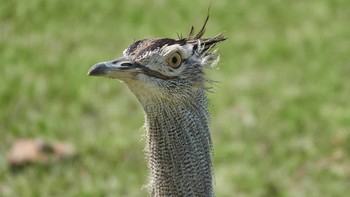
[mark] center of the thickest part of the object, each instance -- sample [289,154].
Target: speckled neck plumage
[178,147]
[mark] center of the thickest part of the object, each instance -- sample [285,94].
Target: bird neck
[179,147]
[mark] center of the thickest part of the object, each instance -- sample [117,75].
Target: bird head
[163,67]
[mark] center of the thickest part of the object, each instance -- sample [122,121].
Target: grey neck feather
[179,147]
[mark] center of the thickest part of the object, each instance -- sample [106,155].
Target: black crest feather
[138,48]
[206,42]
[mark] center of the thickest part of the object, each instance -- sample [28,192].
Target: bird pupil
[174,60]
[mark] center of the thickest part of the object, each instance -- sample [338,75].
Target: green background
[280,112]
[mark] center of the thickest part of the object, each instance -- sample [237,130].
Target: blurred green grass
[280,114]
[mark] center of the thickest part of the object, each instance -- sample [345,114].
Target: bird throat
[178,147]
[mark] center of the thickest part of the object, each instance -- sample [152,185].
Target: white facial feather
[184,50]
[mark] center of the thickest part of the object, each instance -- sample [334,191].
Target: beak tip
[97,70]
[89,73]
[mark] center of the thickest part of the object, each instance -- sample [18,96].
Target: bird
[168,78]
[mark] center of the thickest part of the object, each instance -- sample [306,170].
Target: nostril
[126,64]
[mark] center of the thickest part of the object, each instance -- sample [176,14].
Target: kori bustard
[167,77]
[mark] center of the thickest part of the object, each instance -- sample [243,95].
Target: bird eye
[174,60]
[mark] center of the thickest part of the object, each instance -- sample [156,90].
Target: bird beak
[119,68]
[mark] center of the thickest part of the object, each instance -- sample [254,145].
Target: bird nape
[167,77]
